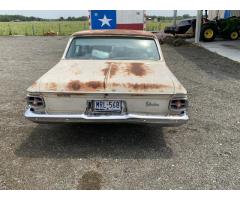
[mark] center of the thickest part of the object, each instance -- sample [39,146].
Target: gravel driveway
[203,154]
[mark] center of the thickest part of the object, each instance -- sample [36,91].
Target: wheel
[234,35]
[208,33]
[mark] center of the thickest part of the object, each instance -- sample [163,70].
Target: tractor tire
[234,35]
[208,33]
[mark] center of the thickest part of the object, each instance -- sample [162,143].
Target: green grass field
[60,27]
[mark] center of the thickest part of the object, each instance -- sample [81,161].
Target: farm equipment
[227,28]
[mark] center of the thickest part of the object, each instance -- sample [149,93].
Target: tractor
[227,28]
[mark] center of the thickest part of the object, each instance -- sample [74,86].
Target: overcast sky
[54,14]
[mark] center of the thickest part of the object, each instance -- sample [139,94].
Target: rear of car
[105,77]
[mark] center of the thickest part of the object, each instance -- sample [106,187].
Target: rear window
[113,48]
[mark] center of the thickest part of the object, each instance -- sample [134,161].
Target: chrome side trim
[173,120]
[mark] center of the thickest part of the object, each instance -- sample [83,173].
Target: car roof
[115,32]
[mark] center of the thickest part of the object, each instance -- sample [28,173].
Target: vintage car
[109,76]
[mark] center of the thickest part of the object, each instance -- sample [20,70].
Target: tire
[208,33]
[234,35]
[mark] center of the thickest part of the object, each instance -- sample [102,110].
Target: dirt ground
[203,154]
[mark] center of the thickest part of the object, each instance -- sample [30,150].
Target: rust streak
[143,86]
[105,71]
[113,67]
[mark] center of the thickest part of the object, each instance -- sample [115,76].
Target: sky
[54,14]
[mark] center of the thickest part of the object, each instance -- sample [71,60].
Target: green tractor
[227,28]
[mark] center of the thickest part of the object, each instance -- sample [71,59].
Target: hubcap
[234,35]
[208,33]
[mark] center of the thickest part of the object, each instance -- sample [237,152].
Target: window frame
[154,38]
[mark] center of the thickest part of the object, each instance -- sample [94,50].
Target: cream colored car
[109,76]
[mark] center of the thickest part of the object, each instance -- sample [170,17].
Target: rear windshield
[113,48]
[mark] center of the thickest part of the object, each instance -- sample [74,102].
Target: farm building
[226,48]
[212,14]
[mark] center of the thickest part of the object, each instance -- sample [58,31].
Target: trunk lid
[96,76]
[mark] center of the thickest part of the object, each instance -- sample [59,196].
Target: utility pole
[198,26]
[175,17]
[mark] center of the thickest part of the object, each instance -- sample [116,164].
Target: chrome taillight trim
[185,99]
[39,99]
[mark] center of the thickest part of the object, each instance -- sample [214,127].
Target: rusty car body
[108,90]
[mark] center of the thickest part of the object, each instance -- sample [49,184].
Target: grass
[157,26]
[60,27]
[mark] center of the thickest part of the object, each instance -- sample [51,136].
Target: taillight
[178,104]
[35,101]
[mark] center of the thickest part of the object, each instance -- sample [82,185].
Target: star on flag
[105,21]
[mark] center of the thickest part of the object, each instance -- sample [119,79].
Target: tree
[61,18]
[185,16]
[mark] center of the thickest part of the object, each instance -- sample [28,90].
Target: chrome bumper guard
[171,120]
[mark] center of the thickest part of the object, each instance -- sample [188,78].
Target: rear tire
[208,33]
[234,35]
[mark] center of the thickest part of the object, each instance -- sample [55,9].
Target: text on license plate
[108,106]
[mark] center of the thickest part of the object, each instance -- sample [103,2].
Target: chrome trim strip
[173,120]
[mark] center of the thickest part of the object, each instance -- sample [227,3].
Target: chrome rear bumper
[174,120]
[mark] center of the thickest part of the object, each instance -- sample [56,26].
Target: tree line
[162,18]
[16,18]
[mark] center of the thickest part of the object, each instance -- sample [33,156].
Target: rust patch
[105,71]
[74,85]
[113,70]
[94,84]
[113,67]
[137,69]
[51,86]
[116,84]
[88,86]
[143,86]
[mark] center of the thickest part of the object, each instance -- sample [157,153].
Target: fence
[60,27]
[40,28]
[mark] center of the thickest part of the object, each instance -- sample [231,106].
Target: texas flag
[116,19]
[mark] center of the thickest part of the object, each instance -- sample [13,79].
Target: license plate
[107,106]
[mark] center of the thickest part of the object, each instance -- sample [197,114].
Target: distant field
[60,27]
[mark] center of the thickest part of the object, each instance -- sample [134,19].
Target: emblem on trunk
[148,103]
